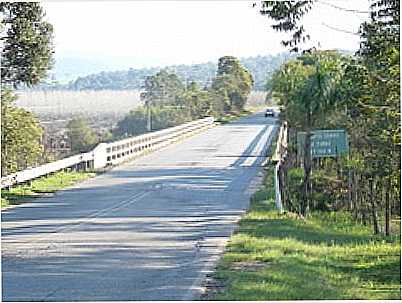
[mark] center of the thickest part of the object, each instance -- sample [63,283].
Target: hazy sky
[172,32]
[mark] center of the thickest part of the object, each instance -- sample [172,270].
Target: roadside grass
[275,256]
[42,186]
[233,115]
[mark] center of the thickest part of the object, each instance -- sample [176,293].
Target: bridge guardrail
[113,153]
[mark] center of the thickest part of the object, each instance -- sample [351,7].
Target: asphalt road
[151,229]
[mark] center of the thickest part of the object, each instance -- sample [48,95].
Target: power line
[355,11]
[340,30]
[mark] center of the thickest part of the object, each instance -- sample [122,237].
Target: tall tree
[27,49]
[375,104]
[233,82]
[26,55]
[163,88]
[21,136]
[82,137]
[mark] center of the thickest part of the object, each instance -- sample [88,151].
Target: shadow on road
[144,230]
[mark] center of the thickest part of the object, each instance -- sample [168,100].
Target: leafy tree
[374,105]
[26,55]
[162,117]
[21,136]
[196,101]
[82,137]
[27,43]
[288,15]
[164,88]
[233,83]
[134,123]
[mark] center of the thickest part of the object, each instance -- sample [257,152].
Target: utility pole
[149,116]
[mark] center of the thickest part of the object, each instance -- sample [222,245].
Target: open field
[59,104]
[281,257]
[86,103]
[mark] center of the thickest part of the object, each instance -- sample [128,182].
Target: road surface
[151,229]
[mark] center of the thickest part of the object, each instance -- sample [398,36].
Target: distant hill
[261,67]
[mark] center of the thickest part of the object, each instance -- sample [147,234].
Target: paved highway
[151,229]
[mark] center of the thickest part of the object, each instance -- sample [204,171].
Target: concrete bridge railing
[113,153]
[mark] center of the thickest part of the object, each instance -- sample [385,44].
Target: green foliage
[164,88]
[171,103]
[307,87]
[288,15]
[135,122]
[82,137]
[233,83]
[26,55]
[294,189]
[362,95]
[27,43]
[272,255]
[21,136]
[197,102]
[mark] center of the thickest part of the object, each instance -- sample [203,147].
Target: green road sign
[324,143]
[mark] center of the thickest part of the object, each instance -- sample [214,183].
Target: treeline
[168,101]
[361,94]
[261,68]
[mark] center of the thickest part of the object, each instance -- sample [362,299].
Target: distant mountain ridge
[261,67]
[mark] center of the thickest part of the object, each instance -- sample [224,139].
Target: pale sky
[155,33]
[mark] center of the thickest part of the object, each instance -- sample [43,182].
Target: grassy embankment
[42,186]
[277,256]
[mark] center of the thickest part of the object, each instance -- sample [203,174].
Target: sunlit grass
[327,256]
[44,185]
[233,116]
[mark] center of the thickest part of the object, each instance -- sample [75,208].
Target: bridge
[152,228]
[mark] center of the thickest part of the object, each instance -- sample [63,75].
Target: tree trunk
[350,189]
[355,196]
[373,208]
[307,170]
[387,209]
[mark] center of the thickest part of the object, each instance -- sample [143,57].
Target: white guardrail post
[112,153]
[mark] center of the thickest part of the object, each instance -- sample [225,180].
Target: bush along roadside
[275,256]
[42,187]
